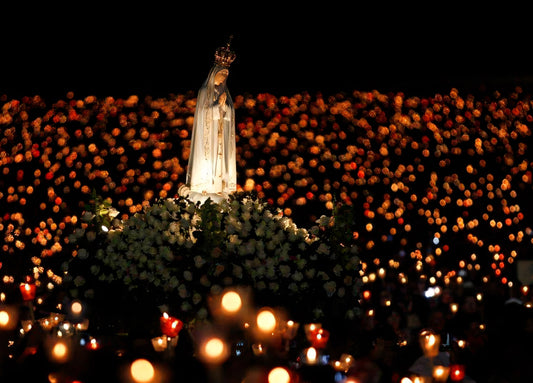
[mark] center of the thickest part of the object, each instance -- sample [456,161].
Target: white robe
[212,164]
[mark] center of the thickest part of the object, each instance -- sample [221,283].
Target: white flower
[330,288]
[187,275]
[174,227]
[246,216]
[237,271]
[216,289]
[196,298]
[260,231]
[323,249]
[173,282]
[113,212]
[202,313]
[297,276]
[182,291]
[270,273]
[285,270]
[199,261]
[219,269]
[337,270]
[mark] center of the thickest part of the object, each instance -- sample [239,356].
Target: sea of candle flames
[439,184]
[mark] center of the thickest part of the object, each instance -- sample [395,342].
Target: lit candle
[5,319]
[310,330]
[258,349]
[26,325]
[429,342]
[457,372]
[160,343]
[266,320]
[170,326]
[290,330]
[319,338]
[214,350]
[45,323]
[93,344]
[28,291]
[83,325]
[311,355]
[231,302]
[440,373]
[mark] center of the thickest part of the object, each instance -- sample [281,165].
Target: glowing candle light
[311,355]
[457,372]
[429,342]
[266,320]
[231,302]
[279,375]
[59,351]
[454,307]
[310,330]
[142,371]
[5,318]
[160,343]
[440,373]
[291,329]
[170,326]
[28,291]
[76,308]
[258,349]
[214,350]
[320,338]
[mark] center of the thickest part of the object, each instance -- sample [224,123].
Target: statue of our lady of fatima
[211,171]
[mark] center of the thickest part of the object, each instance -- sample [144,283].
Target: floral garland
[179,253]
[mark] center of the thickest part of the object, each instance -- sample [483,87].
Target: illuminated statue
[212,172]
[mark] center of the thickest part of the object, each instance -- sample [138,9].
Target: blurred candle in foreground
[60,351]
[142,371]
[5,319]
[311,355]
[231,302]
[279,375]
[213,350]
[266,320]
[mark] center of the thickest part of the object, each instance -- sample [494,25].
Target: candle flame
[431,340]
[311,355]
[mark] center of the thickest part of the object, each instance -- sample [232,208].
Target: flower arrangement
[178,253]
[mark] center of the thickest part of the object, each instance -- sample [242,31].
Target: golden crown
[224,56]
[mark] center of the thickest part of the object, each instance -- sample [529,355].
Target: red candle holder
[319,338]
[28,291]
[457,372]
[170,326]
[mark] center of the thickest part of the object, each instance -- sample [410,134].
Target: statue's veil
[206,107]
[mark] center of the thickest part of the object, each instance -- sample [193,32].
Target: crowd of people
[439,187]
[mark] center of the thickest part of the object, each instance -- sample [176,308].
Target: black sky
[156,48]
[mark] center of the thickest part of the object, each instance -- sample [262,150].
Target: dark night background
[117,48]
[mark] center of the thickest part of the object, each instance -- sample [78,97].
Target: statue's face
[221,76]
